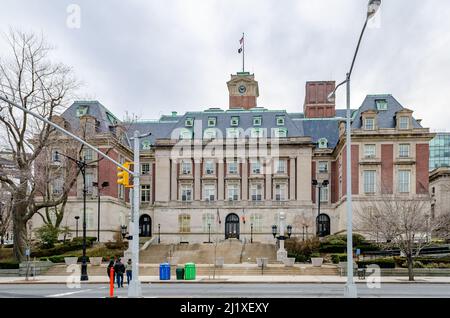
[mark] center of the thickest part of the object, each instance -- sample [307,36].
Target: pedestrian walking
[119,269]
[128,269]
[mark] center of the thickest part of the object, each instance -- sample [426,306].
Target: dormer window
[257,133]
[189,122]
[185,134]
[212,121]
[210,133]
[234,121]
[279,132]
[280,120]
[403,122]
[323,143]
[111,119]
[257,120]
[369,123]
[146,145]
[82,110]
[381,104]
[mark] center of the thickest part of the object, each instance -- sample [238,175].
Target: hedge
[336,258]
[9,265]
[74,245]
[382,262]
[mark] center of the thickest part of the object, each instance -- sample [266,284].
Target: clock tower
[243,90]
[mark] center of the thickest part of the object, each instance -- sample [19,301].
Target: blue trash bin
[164,271]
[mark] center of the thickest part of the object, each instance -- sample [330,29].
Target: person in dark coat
[108,269]
[119,269]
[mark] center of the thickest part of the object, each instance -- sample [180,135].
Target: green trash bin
[189,271]
[180,272]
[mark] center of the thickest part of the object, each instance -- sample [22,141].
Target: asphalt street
[225,290]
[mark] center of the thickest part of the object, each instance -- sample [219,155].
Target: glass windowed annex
[440,151]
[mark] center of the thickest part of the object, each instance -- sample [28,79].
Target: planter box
[70,260]
[95,261]
[289,261]
[317,261]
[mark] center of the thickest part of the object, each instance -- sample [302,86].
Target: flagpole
[243,53]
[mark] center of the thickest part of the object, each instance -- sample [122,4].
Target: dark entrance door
[145,225]
[232,226]
[323,225]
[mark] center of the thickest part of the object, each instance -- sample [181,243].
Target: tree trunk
[410,267]
[19,231]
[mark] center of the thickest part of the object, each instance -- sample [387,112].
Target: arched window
[323,225]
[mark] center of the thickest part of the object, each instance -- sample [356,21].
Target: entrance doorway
[145,225]
[323,225]
[232,226]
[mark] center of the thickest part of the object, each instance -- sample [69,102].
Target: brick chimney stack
[316,104]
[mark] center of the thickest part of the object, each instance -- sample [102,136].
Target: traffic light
[123,177]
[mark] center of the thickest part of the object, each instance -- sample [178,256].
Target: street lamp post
[209,233]
[159,233]
[319,185]
[350,287]
[251,232]
[281,253]
[104,185]
[82,166]
[76,219]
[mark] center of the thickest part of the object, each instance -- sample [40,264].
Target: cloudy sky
[153,57]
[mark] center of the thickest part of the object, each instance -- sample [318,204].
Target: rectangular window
[56,155]
[280,120]
[381,104]
[87,154]
[58,186]
[184,223]
[257,221]
[257,120]
[323,194]
[256,167]
[234,121]
[369,181]
[369,123]
[403,150]
[145,168]
[256,192]
[369,151]
[323,166]
[232,133]
[257,133]
[281,166]
[232,167]
[209,192]
[186,168]
[403,122]
[210,167]
[89,181]
[208,222]
[404,177]
[189,122]
[233,192]
[186,193]
[212,122]
[145,193]
[82,110]
[280,192]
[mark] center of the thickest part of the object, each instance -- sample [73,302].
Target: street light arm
[349,74]
[6,100]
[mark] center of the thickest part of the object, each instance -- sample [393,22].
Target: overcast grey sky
[153,57]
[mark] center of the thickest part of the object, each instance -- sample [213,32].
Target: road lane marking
[69,293]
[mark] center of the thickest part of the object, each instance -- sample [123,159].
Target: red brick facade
[387,169]
[246,102]
[316,103]
[422,163]
[334,182]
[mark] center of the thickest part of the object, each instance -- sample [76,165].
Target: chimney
[316,104]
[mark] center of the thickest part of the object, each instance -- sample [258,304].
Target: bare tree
[402,221]
[5,213]
[29,78]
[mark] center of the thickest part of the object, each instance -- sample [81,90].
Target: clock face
[242,89]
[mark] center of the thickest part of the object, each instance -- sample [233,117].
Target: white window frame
[403,122]
[189,122]
[281,166]
[212,121]
[404,181]
[404,150]
[323,194]
[234,171]
[89,181]
[257,220]
[233,192]
[145,193]
[280,192]
[256,192]
[209,192]
[56,157]
[370,181]
[369,120]
[382,102]
[370,151]
[256,167]
[210,133]
[186,168]
[145,168]
[207,218]
[234,121]
[280,120]
[257,121]
[233,133]
[320,166]
[186,192]
[210,167]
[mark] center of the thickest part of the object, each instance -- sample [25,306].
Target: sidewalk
[265,279]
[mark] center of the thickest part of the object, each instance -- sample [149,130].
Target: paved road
[226,290]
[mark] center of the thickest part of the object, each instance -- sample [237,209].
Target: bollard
[111,282]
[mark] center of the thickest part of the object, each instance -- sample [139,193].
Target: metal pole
[98,214]
[134,289]
[318,211]
[350,287]
[84,275]
[159,233]
[243,53]
[251,233]
[65,132]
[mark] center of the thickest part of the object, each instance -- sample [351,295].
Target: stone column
[197,176]
[304,175]
[281,253]
[268,189]
[174,181]
[244,178]
[220,181]
[162,178]
[292,178]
